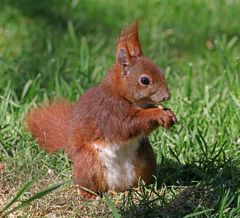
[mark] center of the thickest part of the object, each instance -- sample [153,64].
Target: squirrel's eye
[144,80]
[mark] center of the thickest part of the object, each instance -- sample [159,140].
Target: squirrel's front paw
[167,118]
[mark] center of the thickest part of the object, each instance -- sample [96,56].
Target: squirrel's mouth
[156,106]
[151,105]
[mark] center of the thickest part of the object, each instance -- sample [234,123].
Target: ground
[51,50]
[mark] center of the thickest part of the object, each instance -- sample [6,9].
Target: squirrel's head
[138,80]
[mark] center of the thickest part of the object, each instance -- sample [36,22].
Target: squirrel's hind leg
[145,163]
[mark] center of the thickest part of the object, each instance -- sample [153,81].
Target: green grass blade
[24,189]
[189,82]
[198,213]
[112,207]
[26,88]
[36,196]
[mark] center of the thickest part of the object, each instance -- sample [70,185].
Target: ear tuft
[133,43]
[129,41]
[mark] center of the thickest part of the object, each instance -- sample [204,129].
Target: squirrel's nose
[166,97]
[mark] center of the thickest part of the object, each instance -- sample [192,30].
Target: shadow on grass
[49,10]
[52,38]
[86,16]
[186,189]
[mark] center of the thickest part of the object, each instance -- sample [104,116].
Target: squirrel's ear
[128,45]
[133,43]
[124,59]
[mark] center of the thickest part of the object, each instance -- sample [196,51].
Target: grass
[50,49]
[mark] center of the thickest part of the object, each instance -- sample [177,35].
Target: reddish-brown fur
[48,124]
[115,111]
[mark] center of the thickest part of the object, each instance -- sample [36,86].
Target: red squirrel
[105,131]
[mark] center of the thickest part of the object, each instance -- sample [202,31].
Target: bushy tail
[49,125]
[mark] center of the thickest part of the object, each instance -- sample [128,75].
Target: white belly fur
[117,159]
